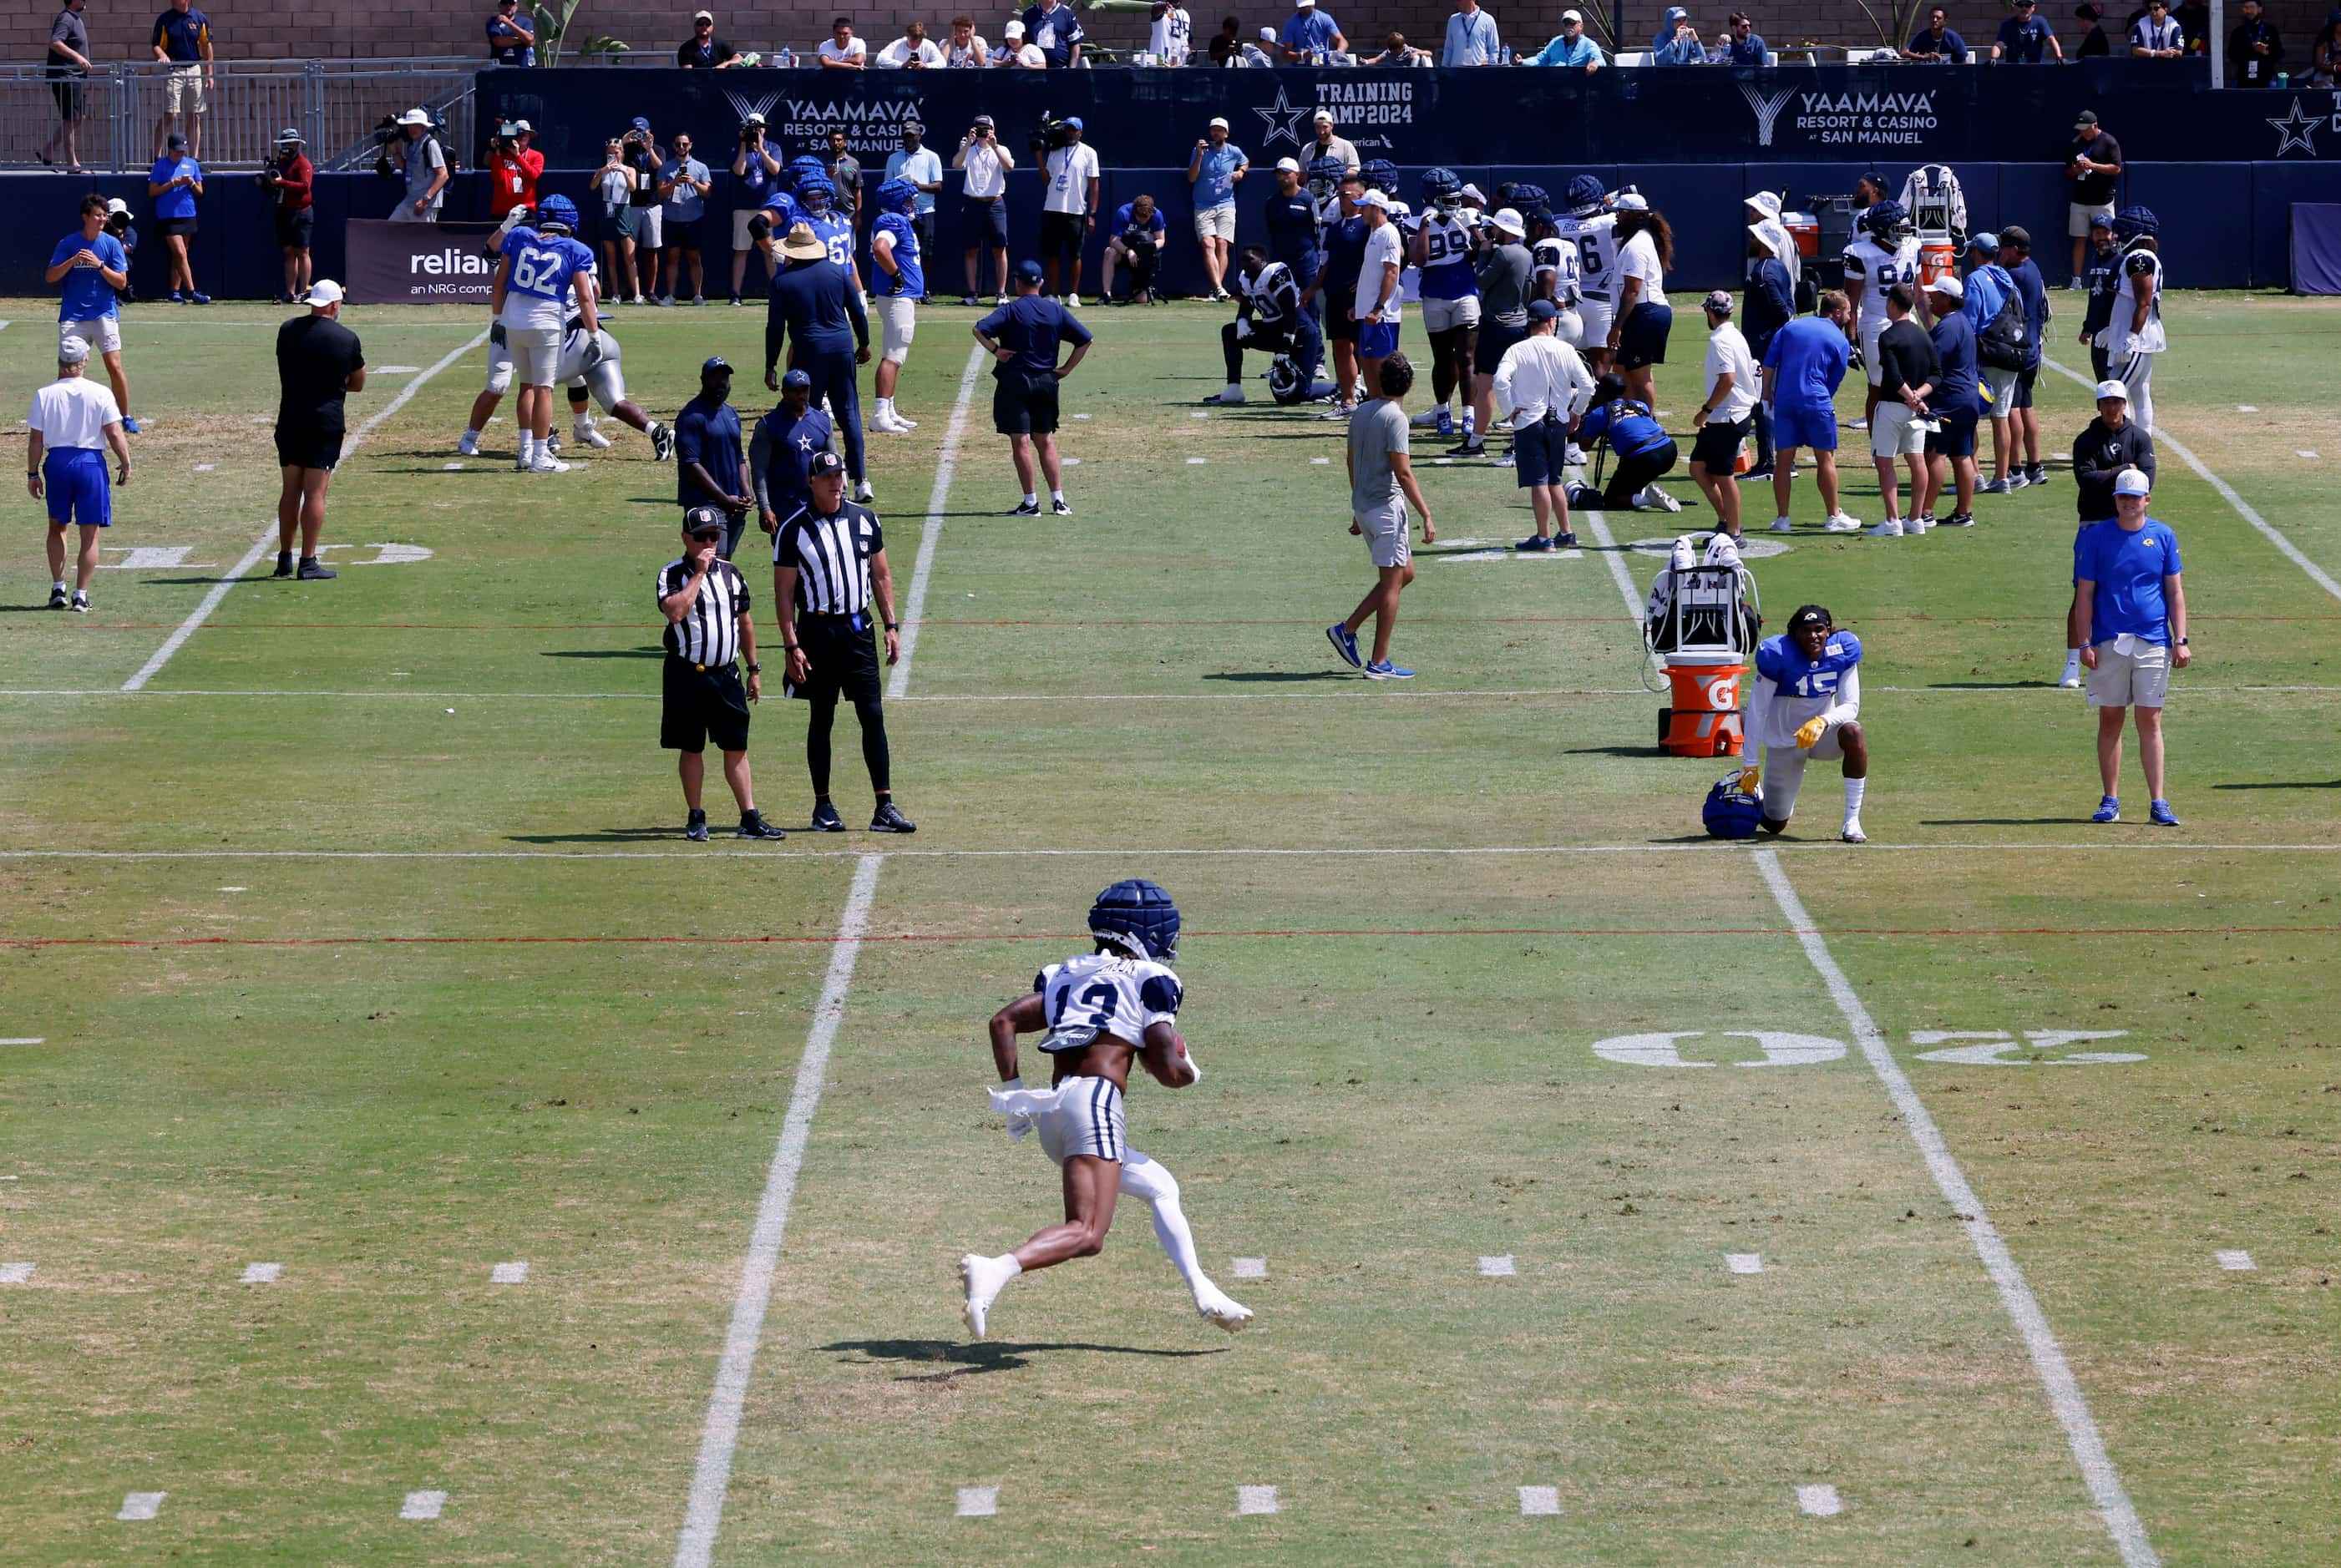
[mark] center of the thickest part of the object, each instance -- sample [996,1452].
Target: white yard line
[1616,559]
[914,605]
[1350,691]
[2066,1400]
[2244,509]
[703,1517]
[211,602]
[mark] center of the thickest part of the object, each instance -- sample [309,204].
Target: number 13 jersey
[1105,994]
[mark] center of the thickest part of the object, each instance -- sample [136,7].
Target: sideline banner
[417,263]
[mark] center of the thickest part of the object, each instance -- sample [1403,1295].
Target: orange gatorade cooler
[1705,719]
[1937,261]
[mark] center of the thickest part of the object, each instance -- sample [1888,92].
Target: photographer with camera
[755,174]
[514,169]
[1068,211]
[1215,171]
[1139,236]
[422,164]
[983,201]
[646,157]
[289,180]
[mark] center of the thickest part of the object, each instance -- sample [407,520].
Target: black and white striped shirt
[709,636]
[831,555]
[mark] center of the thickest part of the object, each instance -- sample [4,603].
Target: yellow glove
[1748,779]
[1810,734]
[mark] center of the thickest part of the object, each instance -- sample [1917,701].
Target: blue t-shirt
[1628,424]
[1215,185]
[183,38]
[1951,48]
[2025,43]
[750,189]
[834,229]
[2128,569]
[1748,51]
[1125,218]
[1955,345]
[924,166]
[913,280]
[1810,353]
[2034,293]
[707,434]
[1031,326]
[180,202]
[1054,33]
[88,296]
[1310,29]
[1292,234]
[1345,256]
[684,204]
[793,442]
[1780,660]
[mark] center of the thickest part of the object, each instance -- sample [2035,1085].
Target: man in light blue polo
[1471,37]
[1215,170]
[2127,591]
[1309,32]
[1570,49]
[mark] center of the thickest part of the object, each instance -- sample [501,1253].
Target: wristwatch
[755,669]
[897,626]
[2182,643]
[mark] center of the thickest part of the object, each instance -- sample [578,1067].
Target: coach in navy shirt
[815,302]
[1292,226]
[1021,337]
[1954,405]
[1938,45]
[780,455]
[709,467]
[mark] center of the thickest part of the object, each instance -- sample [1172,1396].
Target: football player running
[1885,253]
[1102,1010]
[902,279]
[1806,704]
[1444,242]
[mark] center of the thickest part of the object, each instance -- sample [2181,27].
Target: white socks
[1055,494]
[1031,498]
[527,448]
[2072,662]
[1853,792]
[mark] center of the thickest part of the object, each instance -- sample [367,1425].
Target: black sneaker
[969,301]
[825,818]
[284,563]
[311,572]
[696,828]
[1025,509]
[1959,519]
[886,819]
[754,826]
[1469,449]
[2037,474]
[56,598]
[80,604]
[661,442]
[1060,507]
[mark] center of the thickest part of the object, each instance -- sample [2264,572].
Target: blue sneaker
[1386,670]
[2109,810]
[1445,423]
[132,425]
[1566,541]
[199,298]
[1539,542]
[2162,815]
[1345,643]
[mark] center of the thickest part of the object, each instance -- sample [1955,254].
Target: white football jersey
[1559,258]
[2119,342]
[1595,240]
[1105,994]
[1880,270]
[1446,254]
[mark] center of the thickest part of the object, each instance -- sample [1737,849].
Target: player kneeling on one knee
[1805,705]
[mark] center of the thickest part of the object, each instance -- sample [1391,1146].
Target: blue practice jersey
[543,271]
[1105,994]
[835,230]
[913,280]
[1780,660]
[1447,272]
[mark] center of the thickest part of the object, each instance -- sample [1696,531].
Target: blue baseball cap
[1028,271]
[1986,241]
[796,379]
[641,124]
[715,362]
[1542,310]
[1074,121]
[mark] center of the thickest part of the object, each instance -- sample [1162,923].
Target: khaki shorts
[1216,223]
[1387,541]
[1895,431]
[2139,678]
[104,334]
[649,228]
[897,323]
[741,240]
[535,354]
[183,91]
[2077,218]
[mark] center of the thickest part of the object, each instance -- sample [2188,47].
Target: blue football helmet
[1440,186]
[895,196]
[1731,812]
[557,212]
[1885,220]
[1584,195]
[1325,177]
[1138,912]
[1521,196]
[2132,221]
[814,192]
[1380,174]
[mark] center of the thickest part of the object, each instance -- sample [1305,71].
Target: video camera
[752,130]
[1051,134]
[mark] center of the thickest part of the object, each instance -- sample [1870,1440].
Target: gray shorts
[1387,539]
[2138,678]
[2001,387]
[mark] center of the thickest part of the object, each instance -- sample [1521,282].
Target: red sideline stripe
[1082,936]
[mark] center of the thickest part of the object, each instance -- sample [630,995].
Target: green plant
[1904,16]
[553,18]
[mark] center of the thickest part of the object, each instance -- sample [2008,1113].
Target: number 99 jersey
[1100,994]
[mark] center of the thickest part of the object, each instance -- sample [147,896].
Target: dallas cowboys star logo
[804,443]
[2297,129]
[1283,121]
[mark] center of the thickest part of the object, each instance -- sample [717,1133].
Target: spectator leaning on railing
[2154,37]
[1056,31]
[703,51]
[1396,51]
[913,50]
[1938,45]
[1225,47]
[1169,30]
[1570,48]
[1678,42]
[1014,54]
[966,51]
[183,40]
[511,35]
[1472,38]
[1745,46]
[68,71]
[841,51]
[2025,38]
[1309,32]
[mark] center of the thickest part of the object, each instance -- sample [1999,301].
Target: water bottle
[2283,78]
[786,59]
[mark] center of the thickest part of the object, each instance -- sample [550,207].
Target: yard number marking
[1544,1500]
[977,1501]
[422,1506]
[262,1273]
[142,1505]
[1256,1499]
[1822,1501]
[2235,1260]
[1780,1048]
[1994,1053]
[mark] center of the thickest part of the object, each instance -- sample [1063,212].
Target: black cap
[1810,615]
[699,519]
[715,362]
[824,462]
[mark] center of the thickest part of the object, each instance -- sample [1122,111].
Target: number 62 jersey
[1105,994]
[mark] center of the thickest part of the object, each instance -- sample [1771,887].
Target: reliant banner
[418,263]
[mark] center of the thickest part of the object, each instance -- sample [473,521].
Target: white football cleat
[1655,498]
[863,493]
[884,424]
[1839,523]
[547,464]
[586,435]
[470,444]
[1852,833]
[1222,1310]
[904,420]
[984,1278]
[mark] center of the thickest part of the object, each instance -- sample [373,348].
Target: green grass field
[361,939]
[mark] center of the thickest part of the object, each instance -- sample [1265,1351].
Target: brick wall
[279,28]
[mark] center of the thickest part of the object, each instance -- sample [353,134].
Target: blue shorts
[75,481]
[984,223]
[1376,340]
[1957,438]
[1642,341]
[1539,451]
[1794,425]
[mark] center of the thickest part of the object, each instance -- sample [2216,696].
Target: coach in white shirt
[1471,36]
[1722,421]
[913,50]
[1543,385]
[73,420]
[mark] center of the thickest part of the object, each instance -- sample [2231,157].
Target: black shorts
[2022,397]
[68,92]
[984,223]
[292,228]
[1495,337]
[701,705]
[1642,341]
[1957,438]
[1061,231]
[299,447]
[1023,402]
[183,227]
[1717,444]
[844,662]
[680,235]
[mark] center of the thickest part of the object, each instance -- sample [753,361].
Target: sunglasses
[709,535]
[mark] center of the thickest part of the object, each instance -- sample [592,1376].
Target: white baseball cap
[1475,193]
[1217,124]
[2132,482]
[1269,33]
[1375,199]
[1633,201]
[323,292]
[116,204]
[1949,287]
[1508,219]
[1572,16]
[1322,117]
[73,352]
[1288,165]
[2112,389]
[1014,29]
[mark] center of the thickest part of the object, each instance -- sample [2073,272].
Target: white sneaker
[2071,679]
[1782,525]
[521,465]
[1890,529]
[547,464]
[1073,302]
[1839,523]
[884,423]
[1427,416]
[586,435]
[1574,457]
[983,1278]
[470,446]
[1229,396]
[1338,411]
[1915,525]
[1851,832]
[1653,496]
[905,421]
[863,493]
[1221,1309]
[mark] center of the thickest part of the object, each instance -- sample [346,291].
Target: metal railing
[335,105]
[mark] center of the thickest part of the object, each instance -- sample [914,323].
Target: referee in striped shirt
[829,568]
[707,629]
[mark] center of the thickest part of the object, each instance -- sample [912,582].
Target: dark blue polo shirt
[706,432]
[1031,325]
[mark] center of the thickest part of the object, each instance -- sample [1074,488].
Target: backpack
[2000,344]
